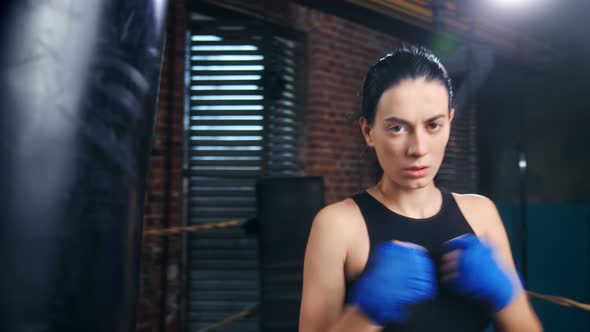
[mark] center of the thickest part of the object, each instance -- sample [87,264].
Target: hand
[397,275]
[470,268]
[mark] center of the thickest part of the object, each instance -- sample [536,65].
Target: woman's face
[411,131]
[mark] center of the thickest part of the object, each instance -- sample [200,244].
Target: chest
[447,312]
[431,235]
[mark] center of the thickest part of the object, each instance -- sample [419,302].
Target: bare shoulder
[341,217]
[336,228]
[480,212]
[475,202]
[332,235]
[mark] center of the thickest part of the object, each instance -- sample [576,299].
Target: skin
[411,128]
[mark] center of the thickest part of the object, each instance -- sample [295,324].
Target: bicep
[496,234]
[519,309]
[323,276]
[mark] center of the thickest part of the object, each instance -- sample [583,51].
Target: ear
[366,130]
[451,115]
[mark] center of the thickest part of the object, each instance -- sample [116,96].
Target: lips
[415,168]
[416,171]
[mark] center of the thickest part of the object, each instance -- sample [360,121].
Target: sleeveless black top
[447,311]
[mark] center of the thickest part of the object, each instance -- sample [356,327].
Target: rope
[250,311]
[194,228]
[230,319]
[563,301]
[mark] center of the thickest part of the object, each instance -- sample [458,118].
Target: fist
[397,275]
[470,268]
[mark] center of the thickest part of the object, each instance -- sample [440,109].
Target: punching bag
[78,88]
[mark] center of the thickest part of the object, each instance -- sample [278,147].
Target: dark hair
[406,62]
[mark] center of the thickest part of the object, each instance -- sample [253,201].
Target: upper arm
[323,272]
[495,232]
[519,312]
[485,220]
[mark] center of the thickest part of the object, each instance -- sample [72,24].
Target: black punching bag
[286,209]
[78,87]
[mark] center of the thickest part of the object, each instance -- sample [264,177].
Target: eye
[434,126]
[397,129]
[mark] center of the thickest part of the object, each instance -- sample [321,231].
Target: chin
[415,183]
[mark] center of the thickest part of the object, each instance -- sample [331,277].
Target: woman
[405,255]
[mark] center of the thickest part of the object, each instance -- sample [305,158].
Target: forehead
[413,99]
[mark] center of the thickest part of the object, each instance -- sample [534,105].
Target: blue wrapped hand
[470,268]
[396,276]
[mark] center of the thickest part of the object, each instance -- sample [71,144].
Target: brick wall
[161,255]
[339,53]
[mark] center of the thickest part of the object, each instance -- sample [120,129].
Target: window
[243,122]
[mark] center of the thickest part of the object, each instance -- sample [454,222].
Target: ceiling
[556,33]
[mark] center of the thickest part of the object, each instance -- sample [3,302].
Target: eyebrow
[407,123]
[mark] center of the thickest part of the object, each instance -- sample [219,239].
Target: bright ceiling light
[513,3]
[529,8]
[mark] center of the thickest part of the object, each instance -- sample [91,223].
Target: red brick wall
[338,55]
[163,197]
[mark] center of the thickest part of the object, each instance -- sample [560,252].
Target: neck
[414,203]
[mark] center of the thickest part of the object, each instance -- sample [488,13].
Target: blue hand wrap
[480,276]
[395,277]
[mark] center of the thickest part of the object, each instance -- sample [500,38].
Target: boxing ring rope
[230,319]
[562,301]
[194,228]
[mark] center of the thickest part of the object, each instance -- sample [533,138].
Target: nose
[418,144]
